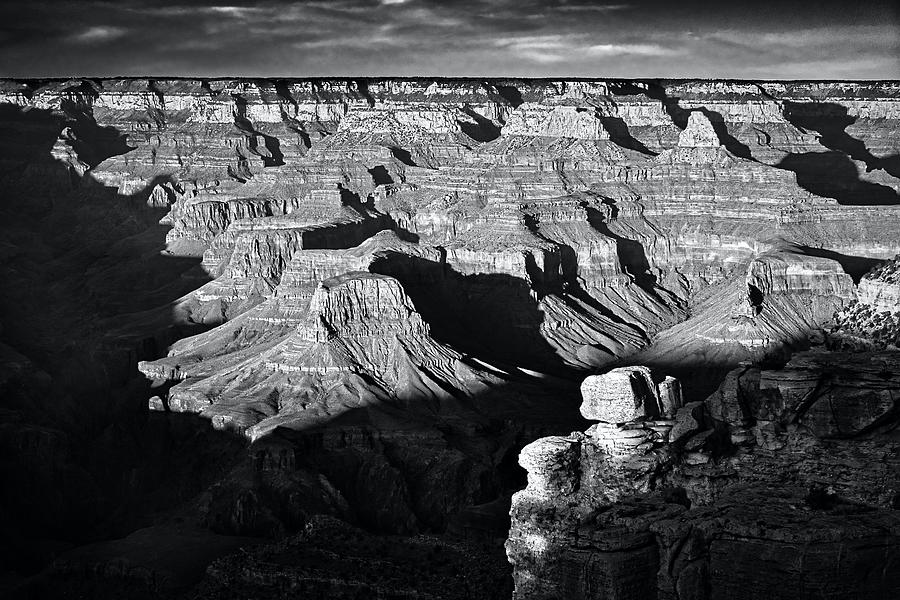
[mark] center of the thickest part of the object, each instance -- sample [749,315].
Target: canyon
[450,338]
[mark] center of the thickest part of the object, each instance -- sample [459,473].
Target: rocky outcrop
[698,144]
[360,340]
[561,120]
[683,508]
[872,319]
[628,394]
[347,369]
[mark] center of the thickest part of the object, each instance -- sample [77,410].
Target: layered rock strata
[388,287]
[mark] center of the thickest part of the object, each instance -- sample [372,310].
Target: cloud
[804,38]
[540,38]
[238,12]
[535,42]
[593,7]
[542,49]
[636,49]
[98,34]
[557,48]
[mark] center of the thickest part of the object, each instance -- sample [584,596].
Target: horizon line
[438,77]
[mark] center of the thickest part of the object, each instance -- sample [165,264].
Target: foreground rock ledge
[707,505]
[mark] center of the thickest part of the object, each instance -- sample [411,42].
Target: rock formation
[872,319]
[628,394]
[766,487]
[252,307]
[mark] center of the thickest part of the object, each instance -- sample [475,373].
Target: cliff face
[388,287]
[872,319]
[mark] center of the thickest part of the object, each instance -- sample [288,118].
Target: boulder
[552,464]
[621,395]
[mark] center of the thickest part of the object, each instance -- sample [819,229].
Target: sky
[767,39]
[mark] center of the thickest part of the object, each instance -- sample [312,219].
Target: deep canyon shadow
[833,175]
[831,120]
[493,316]
[83,460]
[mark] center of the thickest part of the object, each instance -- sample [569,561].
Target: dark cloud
[449,37]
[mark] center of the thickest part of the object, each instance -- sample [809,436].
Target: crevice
[362,86]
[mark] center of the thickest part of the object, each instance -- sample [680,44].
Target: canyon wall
[373,293]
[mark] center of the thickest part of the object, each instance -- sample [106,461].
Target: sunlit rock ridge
[387,288]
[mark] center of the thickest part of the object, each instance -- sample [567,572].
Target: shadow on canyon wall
[270,153]
[482,130]
[403,156]
[854,266]
[493,316]
[833,175]
[679,116]
[618,130]
[631,254]
[510,94]
[830,174]
[620,135]
[830,121]
[82,459]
